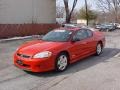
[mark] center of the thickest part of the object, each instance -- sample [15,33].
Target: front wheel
[61,62]
[99,49]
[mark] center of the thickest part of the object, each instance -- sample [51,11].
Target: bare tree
[68,11]
[91,14]
[110,6]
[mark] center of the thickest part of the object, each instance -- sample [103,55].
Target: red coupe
[59,48]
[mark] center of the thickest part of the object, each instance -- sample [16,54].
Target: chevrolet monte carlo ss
[59,48]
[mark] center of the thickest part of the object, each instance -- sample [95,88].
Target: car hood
[33,47]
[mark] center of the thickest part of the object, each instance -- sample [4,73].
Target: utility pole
[86,6]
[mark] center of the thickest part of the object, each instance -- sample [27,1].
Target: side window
[81,35]
[89,32]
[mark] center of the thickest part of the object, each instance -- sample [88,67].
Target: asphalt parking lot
[93,73]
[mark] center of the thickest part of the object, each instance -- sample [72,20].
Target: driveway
[93,73]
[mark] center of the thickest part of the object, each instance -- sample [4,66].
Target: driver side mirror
[75,39]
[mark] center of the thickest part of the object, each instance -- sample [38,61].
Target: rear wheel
[99,49]
[62,62]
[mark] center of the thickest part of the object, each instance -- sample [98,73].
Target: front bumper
[35,65]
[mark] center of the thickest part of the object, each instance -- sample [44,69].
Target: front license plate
[19,62]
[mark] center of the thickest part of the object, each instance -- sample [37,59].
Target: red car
[59,48]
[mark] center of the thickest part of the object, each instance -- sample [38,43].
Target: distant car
[107,27]
[117,25]
[114,24]
[59,48]
[98,26]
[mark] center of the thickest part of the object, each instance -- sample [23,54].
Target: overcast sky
[81,3]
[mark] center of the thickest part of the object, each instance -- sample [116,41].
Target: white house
[82,21]
[27,11]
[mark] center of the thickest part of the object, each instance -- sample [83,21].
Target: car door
[79,47]
[91,43]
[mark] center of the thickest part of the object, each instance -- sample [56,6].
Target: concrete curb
[20,38]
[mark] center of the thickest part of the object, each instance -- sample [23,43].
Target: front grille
[22,55]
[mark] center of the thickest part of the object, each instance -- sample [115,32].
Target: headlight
[44,54]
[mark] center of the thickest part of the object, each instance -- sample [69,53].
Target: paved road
[93,73]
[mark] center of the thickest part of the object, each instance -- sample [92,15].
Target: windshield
[57,35]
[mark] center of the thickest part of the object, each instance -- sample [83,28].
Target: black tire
[99,49]
[58,62]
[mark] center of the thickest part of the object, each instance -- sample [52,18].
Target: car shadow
[82,64]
